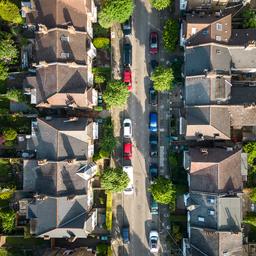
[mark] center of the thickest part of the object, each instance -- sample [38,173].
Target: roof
[60,13]
[203,90]
[205,58]
[75,252]
[61,139]
[210,211]
[215,170]
[242,94]
[61,45]
[54,178]
[205,29]
[213,5]
[206,242]
[242,36]
[209,121]
[242,115]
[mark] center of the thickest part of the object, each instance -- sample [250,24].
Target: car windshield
[127,125]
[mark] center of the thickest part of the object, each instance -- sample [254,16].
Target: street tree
[116,94]
[114,180]
[171,34]
[8,221]
[115,11]
[3,71]
[9,12]
[249,18]
[161,4]
[8,50]
[163,191]
[162,78]
[9,134]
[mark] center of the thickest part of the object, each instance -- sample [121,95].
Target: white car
[127,124]
[153,241]
[129,189]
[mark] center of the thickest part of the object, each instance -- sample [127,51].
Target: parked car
[127,27]
[153,171]
[153,122]
[128,78]
[126,234]
[127,126]
[153,241]
[153,43]
[152,96]
[153,65]
[129,189]
[127,151]
[153,206]
[153,142]
[127,54]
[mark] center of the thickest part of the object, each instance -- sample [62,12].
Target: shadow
[67,181]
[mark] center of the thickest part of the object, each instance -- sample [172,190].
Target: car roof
[127,75]
[127,147]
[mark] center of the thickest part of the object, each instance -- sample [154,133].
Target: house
[61,206]
[59,139]
[58,85]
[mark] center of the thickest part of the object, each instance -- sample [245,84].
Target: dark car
[153,64]
[153,206]
[153,171]
[153,43]
[153,142]
[127,54]
[127,27]
[153,126]
[126,235]
[152,96]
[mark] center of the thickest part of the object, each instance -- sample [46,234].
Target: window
[218,51]
[219,26]
[205,32]
[201,219]
[218,38]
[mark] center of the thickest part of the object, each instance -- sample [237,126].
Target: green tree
[250,219]
[101,42]
[114,180]
[8,50]
[9,134]
[163,78]
[99,78]
[250,149]
[116,94]
[249,18]
[9,12]
[253,195]
[8,220]
[115,11]
[102,249]
[161,4]
[7,193]
[171,34]
[15,95]
[163,191]
[3,71]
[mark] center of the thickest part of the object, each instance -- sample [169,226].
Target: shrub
[249,18]
[101,42]
[104,154]
[161,4]
[99,78]
[99,31]
[171,34]
[9,12]
[9,134]
[15,95]
[7,193]
[163,78]
[8,220]
[98,108]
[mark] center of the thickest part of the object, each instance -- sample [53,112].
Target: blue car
[153,122]
[126,235]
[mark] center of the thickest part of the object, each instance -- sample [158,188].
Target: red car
[128,78]
[153,43]
[127,151]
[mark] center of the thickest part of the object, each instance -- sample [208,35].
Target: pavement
[135,209]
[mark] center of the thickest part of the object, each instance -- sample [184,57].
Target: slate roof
[57,140]
[60,13]
[54,178]
[217,171]
[243,94]
[206,242]
[208,121]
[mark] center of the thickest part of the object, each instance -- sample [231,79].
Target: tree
[161,4]
[249,18]
[9,12]
[9,134]
[3,71]
[115,11]
[250,219]
[8,50]
[99,78]
[116,94]
[8,220]
[171,34]
[114,180]
[15,95]
[101,249]
[163,78]
[101,42]
[7,193]
[163,191]
[250,149]
[252,195]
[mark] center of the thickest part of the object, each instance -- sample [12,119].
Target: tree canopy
[114,180]
[249,18]
[3,71]
[163,191]
[250,149]
[9,134]
[8,220]
[116,94]
[171,34]
[163,78]
[9,12]
[8,50]
[161,4]
[250,219]
[115,11]
[15,95]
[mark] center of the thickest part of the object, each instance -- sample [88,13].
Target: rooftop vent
[64,38]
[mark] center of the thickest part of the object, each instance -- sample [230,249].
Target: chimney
[71,30]
[204,151]
[43,29]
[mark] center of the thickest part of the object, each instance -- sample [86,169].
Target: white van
[129,171]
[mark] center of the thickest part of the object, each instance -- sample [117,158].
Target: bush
[8,220]
[101,42]
[102,249]
[96,156]
[9,12]
[99,78]
[171,34]
[7,193]
[250,149]
[104,154]
[98,108]
[3,72]
[99,31]
[249,18]
[8,49]
[161,4]
[9,134]
[162,78]
[104,71]
[15,95]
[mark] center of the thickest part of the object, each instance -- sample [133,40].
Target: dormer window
[219,26]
